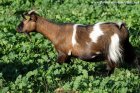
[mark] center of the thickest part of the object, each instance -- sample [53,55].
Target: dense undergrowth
[28,65]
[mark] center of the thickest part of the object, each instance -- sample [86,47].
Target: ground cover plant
[28,64]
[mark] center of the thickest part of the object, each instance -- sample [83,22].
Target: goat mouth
[25,33]
[19,29]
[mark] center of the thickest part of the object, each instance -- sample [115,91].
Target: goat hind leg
[110,67]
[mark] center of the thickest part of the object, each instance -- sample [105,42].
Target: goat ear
[27,17]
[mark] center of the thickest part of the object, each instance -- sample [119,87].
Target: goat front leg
[62,57]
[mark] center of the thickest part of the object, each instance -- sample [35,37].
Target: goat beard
[28,35]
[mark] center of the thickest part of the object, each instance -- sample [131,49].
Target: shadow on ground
[12,70]
[7,3]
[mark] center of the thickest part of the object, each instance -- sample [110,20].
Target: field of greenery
[28,64]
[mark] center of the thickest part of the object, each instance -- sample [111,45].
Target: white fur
[93,56]
[119,23]
[96,33]
[114,49]
[69,53]
[74,34]
[98,52]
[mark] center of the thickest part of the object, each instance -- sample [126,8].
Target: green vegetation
[28,65]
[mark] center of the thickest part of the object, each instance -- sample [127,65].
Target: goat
[102,41]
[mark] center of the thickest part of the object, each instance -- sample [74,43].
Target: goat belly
[92,58]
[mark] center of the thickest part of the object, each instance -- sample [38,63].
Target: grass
[28,65]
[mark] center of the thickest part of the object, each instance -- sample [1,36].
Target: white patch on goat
[96,33]
[93,56]
[119,24]
[69,53]
[74,34]
[88,43]
[114,49]
[98,52]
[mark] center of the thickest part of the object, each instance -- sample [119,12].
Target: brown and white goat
[106,41]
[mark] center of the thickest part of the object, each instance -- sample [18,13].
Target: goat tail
[123,31]
[129,54]
[115,50]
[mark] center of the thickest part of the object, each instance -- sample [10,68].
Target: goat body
[106,41]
